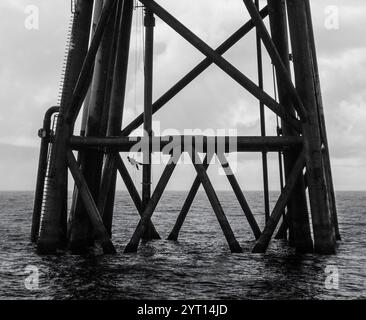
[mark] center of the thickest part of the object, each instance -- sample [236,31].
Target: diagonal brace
[263,242]
[239,195]
[90,206]
[222,63]
[215,203]
[151,206]
[194,73]
[135,196]
[188,203]
[276,58]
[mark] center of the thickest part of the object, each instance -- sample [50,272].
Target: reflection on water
[199,266]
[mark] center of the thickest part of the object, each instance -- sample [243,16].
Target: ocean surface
[198,266]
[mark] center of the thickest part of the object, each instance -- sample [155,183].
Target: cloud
[17,5]
[31,67]
[343,77]
[32,61]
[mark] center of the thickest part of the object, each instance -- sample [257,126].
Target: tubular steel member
[81,62]
[97,11]
[182,143]
[149,23]
[262,124]
[52,231]
[263,241]
[323,229]
[115,116]
[81,235]
[215,203]
[194,73]
[239,195]
[222,63]
[151,205]
[194,189]
[173,236]
[101,69]
[45,135]
[297,211]
[327,163]
[90,206]
[276,59]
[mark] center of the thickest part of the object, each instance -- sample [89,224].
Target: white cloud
[18,5]
[31,66]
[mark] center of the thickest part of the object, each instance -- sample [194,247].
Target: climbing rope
[139,56]
[136,58]
[134,162]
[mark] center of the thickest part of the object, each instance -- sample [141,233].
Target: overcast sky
[31,62]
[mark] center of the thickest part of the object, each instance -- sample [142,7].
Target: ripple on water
[198,266]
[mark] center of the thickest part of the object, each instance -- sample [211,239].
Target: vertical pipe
[263,124]
[91,161]
[53,229]
[149,23]
[324,236]
[98,5]
[327,163]
[298,215]
[107,174]
[116,103]
[41,175]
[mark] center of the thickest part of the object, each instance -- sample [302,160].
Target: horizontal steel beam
[165,144]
